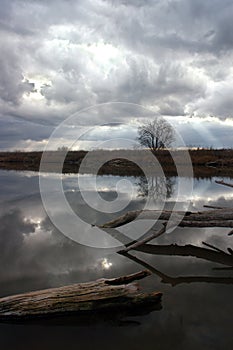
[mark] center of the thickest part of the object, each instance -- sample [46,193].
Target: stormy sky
[173,57]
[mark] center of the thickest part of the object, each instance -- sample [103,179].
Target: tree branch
[223,183]
[145,240]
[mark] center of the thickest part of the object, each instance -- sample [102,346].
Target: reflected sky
[35,255]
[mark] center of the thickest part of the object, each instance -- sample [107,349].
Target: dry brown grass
[222,159]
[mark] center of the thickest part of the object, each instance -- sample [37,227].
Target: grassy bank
[205,162]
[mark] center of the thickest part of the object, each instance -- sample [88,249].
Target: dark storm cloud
[14,132]
[58,57]
[12,83]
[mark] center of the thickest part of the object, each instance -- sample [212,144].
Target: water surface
[196,306]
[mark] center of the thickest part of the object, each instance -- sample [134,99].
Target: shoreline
[205,162]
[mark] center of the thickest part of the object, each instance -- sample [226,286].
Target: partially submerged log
[218,217]
[213,218]
[103,295]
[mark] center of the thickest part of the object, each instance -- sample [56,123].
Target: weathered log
[210,223]
[102,295]
[144,215]
[212,218]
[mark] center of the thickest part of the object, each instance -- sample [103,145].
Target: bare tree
[156,134]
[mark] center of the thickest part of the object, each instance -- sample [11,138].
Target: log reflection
[219,257]
[174,281]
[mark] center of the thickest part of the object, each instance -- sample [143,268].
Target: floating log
[212,218]
[103,295]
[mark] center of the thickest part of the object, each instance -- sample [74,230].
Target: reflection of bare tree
[156,188]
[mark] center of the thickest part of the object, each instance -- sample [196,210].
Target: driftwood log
[218,217]
[210,218]
[103,295]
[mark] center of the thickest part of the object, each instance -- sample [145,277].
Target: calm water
[197,301]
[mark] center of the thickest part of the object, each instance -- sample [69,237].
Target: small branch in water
[230,250]
[213,247]
[145,240]
[212,207]
[223,183]
[128,279]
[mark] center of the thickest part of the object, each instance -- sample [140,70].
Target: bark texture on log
[100,295]
[212,218]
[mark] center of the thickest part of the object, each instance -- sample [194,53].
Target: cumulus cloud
[61,56]
[12,82]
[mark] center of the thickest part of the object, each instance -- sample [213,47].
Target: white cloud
[60,56]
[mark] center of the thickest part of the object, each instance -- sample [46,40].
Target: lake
[196,305]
